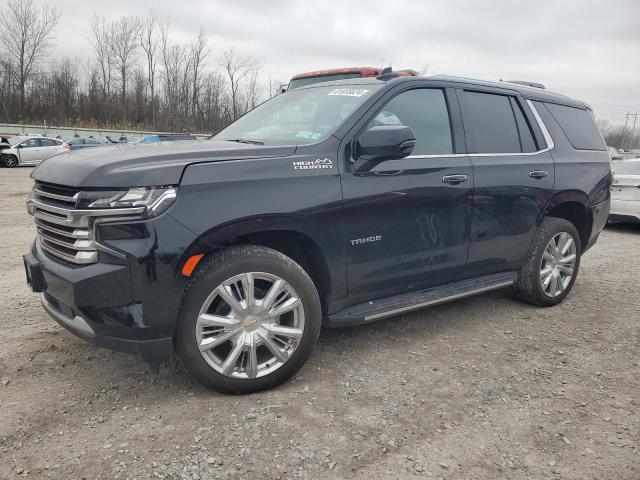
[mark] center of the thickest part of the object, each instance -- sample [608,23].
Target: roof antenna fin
[387,74]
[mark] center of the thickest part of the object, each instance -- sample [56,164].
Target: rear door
[50,148]
[406,223]
[514,177]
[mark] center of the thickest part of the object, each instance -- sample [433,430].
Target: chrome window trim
[543,128]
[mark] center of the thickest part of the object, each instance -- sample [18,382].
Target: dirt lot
[484,388]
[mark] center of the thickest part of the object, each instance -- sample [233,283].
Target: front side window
[32,142]
[490,124]
[425,111]
[300,116]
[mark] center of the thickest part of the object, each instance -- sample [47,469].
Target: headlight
[155,199]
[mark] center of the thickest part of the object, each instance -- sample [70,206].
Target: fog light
[30,208]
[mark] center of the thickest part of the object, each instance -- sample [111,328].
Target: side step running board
[387,307]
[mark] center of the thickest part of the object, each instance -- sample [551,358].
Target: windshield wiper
[244,140]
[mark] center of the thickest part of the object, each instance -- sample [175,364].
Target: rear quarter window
[578,125]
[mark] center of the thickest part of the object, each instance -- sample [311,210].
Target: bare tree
[123,43]
[252,91]
[173,68]
[25,32]
[237,69]
[149,42]
[101,48]
[199,51]
[273,87]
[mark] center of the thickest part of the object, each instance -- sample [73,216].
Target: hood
[141,165]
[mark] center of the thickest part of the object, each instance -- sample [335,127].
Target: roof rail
[527,83]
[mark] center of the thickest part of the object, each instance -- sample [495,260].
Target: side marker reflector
[191,264]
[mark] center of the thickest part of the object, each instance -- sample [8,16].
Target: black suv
[333,204]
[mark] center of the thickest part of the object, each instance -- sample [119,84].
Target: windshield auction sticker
[348,92]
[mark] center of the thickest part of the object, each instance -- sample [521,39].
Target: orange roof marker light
[191,264]
[319,76]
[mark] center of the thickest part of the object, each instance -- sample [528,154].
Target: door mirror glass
[385,142]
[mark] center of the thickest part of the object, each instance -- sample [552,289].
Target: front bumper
[97,303]
[147,350]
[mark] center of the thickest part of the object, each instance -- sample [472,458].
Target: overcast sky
[588,49]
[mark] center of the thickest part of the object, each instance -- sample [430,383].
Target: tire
[538,266]
[10,161]
[207,317]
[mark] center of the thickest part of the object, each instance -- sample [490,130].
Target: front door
[407,221]
[30,151]
[514,178]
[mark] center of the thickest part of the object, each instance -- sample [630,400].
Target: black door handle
[455,179]
[538,174]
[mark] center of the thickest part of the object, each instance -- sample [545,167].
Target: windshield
[627,168]
[301,82]
[16,140]
[298,117]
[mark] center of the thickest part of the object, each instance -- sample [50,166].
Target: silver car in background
[31,150]
[625,191]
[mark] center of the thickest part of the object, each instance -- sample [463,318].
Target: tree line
[138,76]
[620,136]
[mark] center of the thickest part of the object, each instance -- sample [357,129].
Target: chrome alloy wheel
[250,325]
[558,264]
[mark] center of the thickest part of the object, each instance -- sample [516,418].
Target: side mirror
[383,142]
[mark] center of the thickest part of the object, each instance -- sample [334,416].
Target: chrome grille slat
[55,196]
[74,233]
[65,232]
[79,258]
[83,245]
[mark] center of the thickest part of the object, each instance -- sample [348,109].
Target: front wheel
[10,161]
[552,264]
[249,321]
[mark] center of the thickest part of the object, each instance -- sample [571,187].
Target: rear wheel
[249,322]
[10,161]
[551,267]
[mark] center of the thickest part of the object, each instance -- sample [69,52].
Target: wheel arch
[295,237]
[573,206]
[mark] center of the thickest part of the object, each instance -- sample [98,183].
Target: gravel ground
[483,388]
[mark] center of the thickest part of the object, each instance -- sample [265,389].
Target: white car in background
[625,191]
[31,150]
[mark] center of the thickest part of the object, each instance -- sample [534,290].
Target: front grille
[64,196]
[64,232]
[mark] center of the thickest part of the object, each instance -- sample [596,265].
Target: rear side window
[524,129]
[490,123]
[578,125]
[425,111]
